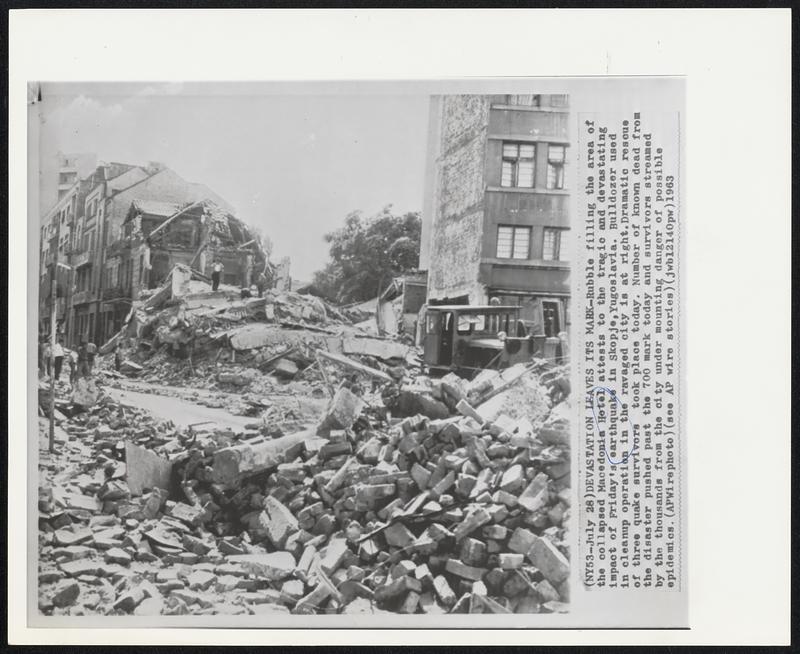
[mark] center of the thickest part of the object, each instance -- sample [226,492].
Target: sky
[291,164]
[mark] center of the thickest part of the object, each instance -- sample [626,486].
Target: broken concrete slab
[375,347]
[278,521]
[553,565]
[66,594]
[145,470]
[274,566]
[342,412]
[536,495]
[354,365]
[251,336]
[231,464]
[285,368]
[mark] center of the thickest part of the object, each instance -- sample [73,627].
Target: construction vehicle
[467,339]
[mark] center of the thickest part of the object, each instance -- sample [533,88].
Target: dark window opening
[518,165]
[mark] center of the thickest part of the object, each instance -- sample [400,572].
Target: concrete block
[476,518]
[513,479]
[398,535]
[420,475]
[273,566]
[460,569]
[145,470]
[549,560]
[278,521]
[368,493]
[66,594]
[535,496]
[343,410]
[521,540]
[443,591]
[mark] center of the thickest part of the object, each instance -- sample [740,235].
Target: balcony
[82,258]
[82,297]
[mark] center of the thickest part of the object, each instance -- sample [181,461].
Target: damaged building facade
[99,272]
[158,235]
[496,206]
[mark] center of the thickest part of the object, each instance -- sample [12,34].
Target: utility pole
[53,325]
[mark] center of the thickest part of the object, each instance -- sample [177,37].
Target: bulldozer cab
[467,339]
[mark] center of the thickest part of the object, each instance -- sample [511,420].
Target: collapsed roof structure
[195,234]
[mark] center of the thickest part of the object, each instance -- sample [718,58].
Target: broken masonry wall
[457,231]
[164,186]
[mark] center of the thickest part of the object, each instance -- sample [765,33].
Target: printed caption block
[628,361]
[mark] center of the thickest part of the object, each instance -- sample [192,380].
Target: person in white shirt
[58,357]
[216,273]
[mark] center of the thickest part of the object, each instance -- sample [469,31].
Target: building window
[559,100]
[556,155]
[92,208]
[525,100]
[518,165]
[556,244]
[513,242]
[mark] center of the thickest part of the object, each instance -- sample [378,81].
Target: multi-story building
[88,219]
[56,234]
[57,175]
[496,205]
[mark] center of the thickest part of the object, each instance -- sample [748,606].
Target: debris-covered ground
[263,456]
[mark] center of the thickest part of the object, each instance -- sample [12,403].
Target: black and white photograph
[395,327]
[302,354]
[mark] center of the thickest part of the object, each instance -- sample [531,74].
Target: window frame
[514,162]
[514,228]
[558,232]
[557,166]
[536,100]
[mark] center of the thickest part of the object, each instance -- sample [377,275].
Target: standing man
[83,358]
[261,283]
[72,361]
[42,365]
[47,351]
[91,351]
[216,273]
[58,357]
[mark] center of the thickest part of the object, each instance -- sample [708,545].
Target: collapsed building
[159,235]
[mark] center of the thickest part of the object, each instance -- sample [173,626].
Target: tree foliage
[365,254]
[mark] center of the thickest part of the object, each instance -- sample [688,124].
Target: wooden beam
[354,365]
[173,217]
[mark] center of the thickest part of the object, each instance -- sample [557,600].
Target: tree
[367,253]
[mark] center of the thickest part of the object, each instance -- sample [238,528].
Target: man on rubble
[46,353]
[72,362]
[58,357]
[83,358]
[261,283]
[216,273]
[86,353]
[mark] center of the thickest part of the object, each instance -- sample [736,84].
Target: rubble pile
[365,512]
[184,333]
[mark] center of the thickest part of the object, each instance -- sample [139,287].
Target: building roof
[157,208]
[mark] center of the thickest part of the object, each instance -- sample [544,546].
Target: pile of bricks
[457,515]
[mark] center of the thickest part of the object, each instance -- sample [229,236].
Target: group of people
[80,362]
[257,288]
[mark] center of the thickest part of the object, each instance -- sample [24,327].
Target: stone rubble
[351,501]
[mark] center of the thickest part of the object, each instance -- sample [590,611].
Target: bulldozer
[466,339]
